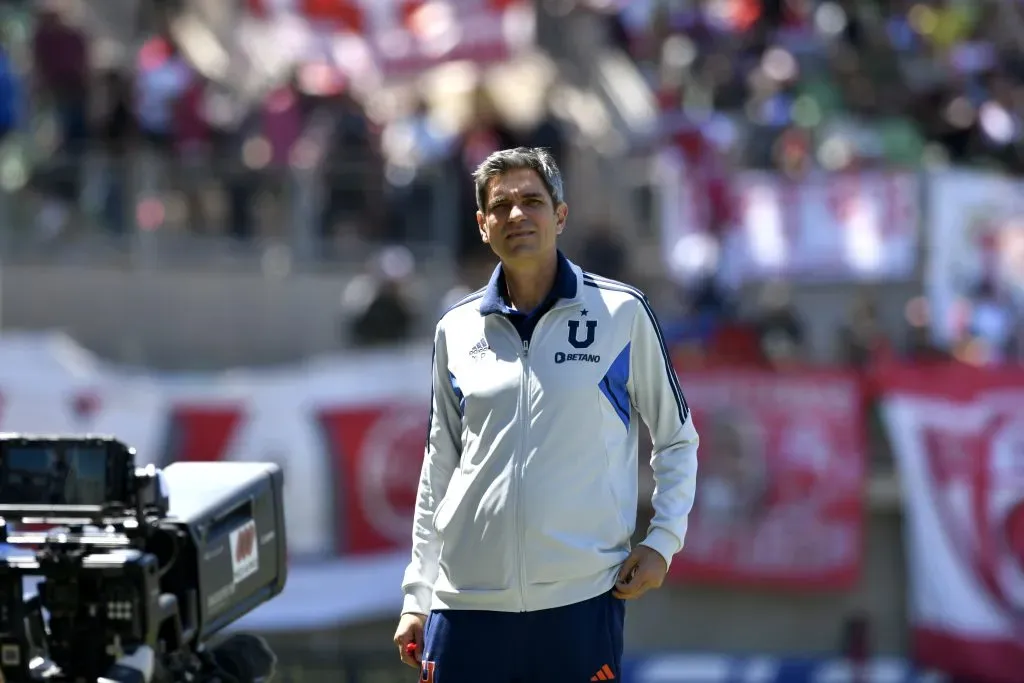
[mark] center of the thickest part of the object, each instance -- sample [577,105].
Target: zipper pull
[526,347]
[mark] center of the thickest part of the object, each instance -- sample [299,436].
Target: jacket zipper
[518,464]
[519,472]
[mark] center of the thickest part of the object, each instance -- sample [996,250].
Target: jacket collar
[566,287]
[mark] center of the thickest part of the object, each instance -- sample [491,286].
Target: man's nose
[516,213]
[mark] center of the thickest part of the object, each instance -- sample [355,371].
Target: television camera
[137,568]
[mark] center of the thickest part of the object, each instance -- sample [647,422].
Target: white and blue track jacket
[528,492]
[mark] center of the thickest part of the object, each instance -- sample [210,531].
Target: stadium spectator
[918,342]
[990,326]
[386,319]
[60,53]
[353,170]
[862,338]
[60,85]
[116,127]
[377,306]
[412,144]
[780,329]
[706,309]
[264,146]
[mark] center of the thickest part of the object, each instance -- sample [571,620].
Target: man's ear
[481,223]
[561,214]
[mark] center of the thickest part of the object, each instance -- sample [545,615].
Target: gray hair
[501,162]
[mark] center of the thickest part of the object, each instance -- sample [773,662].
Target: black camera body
[129,560]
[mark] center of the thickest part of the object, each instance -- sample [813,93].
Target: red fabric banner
[780,485]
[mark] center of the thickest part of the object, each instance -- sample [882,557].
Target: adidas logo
[479,349]
[604,674]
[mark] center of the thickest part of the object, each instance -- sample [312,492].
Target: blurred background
[227,228]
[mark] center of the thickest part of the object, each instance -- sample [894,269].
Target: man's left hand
[643,570]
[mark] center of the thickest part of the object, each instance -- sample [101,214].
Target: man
[528,493]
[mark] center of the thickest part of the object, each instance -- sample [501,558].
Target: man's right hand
[410,630]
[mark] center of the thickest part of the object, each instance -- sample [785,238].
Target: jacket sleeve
[442,453]
[655,393]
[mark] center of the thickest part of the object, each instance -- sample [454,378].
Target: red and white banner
[357,464]
[405,37]
[780,494]
[349,433]
[779,501]
[858,226]
[958,436]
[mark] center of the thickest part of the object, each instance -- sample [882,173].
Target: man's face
[520,220]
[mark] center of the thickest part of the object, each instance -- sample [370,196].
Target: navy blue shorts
[572,644]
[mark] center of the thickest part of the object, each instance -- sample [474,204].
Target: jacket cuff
[417,600]
[664,542]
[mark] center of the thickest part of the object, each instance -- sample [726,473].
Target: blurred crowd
[146,141]
[810,86]
[797,84]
